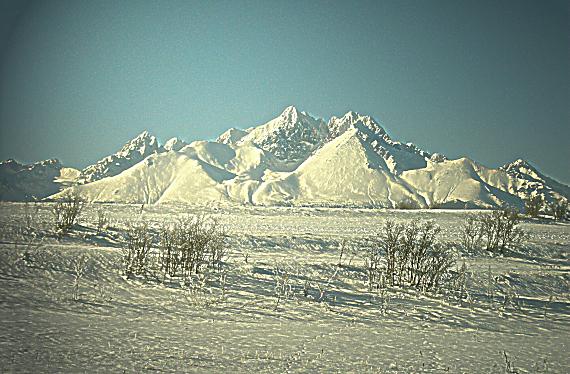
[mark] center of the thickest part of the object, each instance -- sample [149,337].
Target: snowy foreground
[516,317]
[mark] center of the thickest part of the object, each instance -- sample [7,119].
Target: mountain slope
[161,177]
[129,155]
[530,181]
[461,183]
[345,171]
[21,182]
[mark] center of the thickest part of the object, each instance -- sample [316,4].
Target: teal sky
[485,79]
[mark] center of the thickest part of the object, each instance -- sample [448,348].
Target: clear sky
[486,79]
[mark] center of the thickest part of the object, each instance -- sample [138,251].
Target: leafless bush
[501,231]
[66,210]
[533,205]
[196,291]
[79,266]
[28,251]
[283,286]
[472,233]
[509,367]
[30,215]
[245,254]
[407,205]
[136,255]
[460,281]
[189,244]
[408,256]
[102,220]
[496,231]
[182,248]
[559,210]
[373,264]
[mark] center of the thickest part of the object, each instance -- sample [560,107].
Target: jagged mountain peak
[530,181]
[291,136]
[521,167]
[130,154]
[174,144]
[290,113]
[139,144]
[338,125]
[292,116]
[231,136]
[518,164]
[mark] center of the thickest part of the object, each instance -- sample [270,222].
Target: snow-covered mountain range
[20,182]
[296,159]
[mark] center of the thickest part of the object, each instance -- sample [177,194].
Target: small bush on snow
[66,210]
[137,253]
[181,248]
[408,255]
[559,210]
[495,232]
[189,244]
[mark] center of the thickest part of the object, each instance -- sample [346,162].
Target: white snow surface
[231,321]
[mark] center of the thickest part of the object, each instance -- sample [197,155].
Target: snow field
[231,321]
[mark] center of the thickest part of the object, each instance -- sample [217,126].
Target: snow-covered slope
[161,177]
[21,182]
[461,183]
[296,159]
[198,173]
[130,154]
[345,171]
[397,156]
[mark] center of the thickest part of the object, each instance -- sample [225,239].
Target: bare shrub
[509,367]
[408,256]
[102,220]
[407,205]
[136,255]
[500,230]
[436,269]
[31,213]
[533,205]
[182,248]
[79,266]
[196,292]
[372,262]
[189,244]
[495,232]
[66,210]
[559,210]
[472,233]
[342,249]
[283,286]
